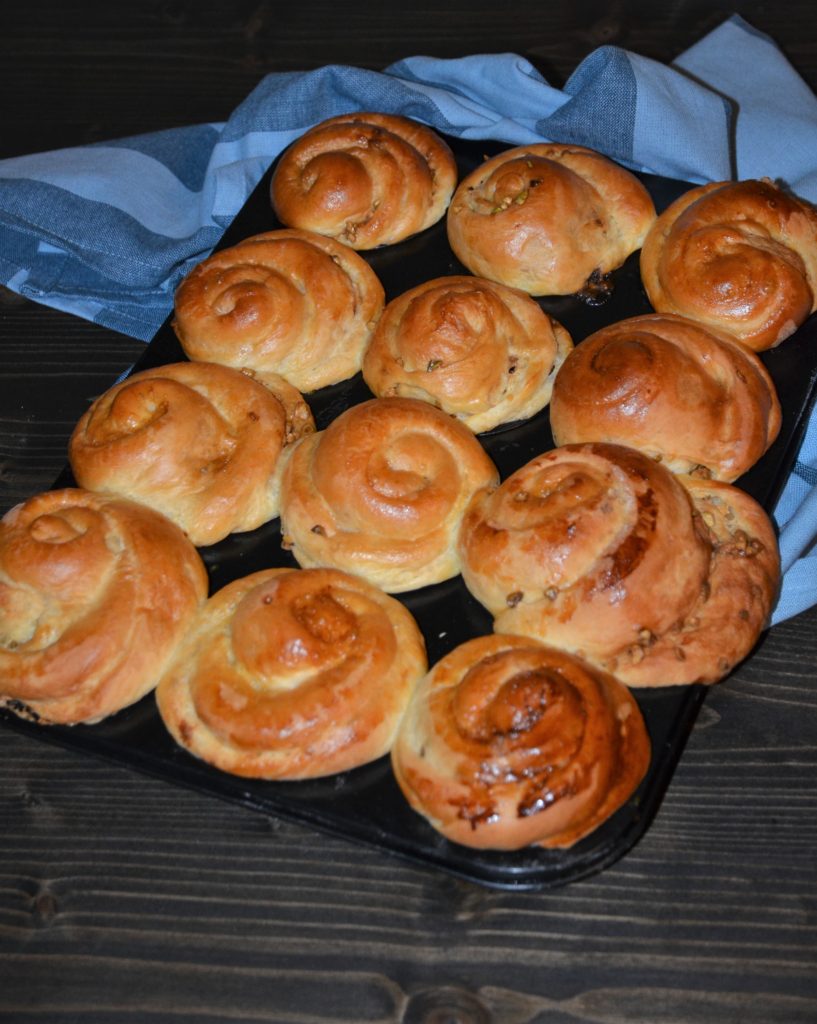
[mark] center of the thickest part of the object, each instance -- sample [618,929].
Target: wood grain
[206,908]
[86,72]
[124,898]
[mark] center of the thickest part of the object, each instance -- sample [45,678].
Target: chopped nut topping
[646,638]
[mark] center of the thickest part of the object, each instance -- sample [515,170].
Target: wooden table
[124,898]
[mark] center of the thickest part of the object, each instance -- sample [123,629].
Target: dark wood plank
[205,908]
[123,898]
[85,72]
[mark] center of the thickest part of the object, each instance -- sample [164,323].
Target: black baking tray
[365,805]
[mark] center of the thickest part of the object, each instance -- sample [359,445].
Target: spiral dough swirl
[508,743]
[291,674]
[381,492]
[602,551]
[199,442]
[687,395]
[482,352]
[95,595]
[365,179]
[286,302]
[548,218]
[740,256]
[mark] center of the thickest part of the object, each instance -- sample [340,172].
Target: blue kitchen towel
[108,231]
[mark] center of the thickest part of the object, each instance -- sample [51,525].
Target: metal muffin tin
[365,805]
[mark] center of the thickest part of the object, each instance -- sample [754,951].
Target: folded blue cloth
[107,231]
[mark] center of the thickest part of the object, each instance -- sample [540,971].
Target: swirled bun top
[199,442]
[688,395]
[286,302]
[291,674]
[95,594]
[602,551]
[507,743]
[366,179]
[741,256]
[481,351]
[547,218]
[381,491]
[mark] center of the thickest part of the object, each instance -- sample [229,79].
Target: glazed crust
[291,674]
[199,442]
[481,351]
[603,552]
[286,302]
[689,396]
[508,743]
[734,605]
[366,179]
[381,491]
[547,218]
[739,256]
[95,595]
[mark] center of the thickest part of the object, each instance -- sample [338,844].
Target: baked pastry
[550,219]
[286,302]
[381,491]
[366,179]
[507,743]
[291,674]
[602,551]
[741,256]
[481,351]
[95,594]
[197,441]
[690,396]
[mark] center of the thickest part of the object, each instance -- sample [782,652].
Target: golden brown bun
[482,352]
[291,674]
[381,491]
[734,606]
[95,595]
[687,395]
[741,256]
[507,742]
[366,179]
[603,552]
[286,302]
[547,217]
[199,442]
